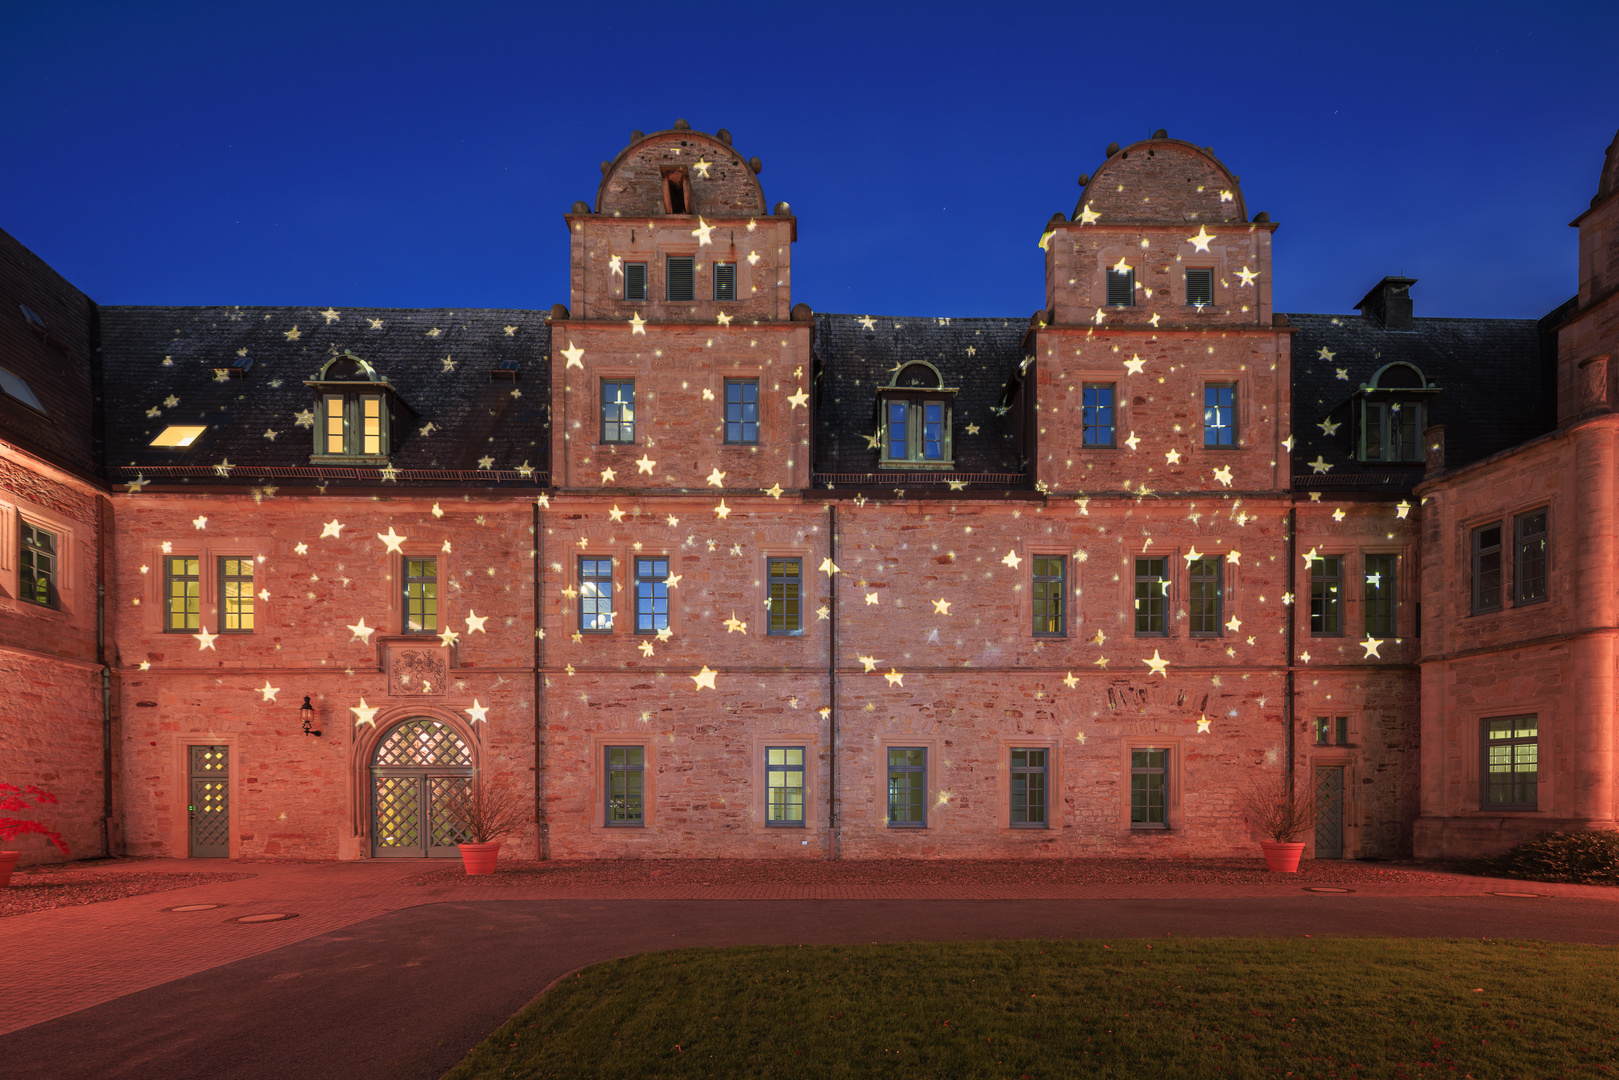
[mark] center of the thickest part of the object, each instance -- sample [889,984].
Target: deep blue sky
[411,154]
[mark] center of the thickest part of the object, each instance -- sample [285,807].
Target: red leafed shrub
[14,799]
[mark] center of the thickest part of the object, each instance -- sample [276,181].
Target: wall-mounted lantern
[308,714]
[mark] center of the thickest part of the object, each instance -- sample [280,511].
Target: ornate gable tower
[680,315]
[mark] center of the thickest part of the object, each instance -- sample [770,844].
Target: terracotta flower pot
[480,858]
[1282,857]
[8,863]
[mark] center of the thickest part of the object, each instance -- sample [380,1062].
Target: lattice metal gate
[1329,812]
[419,768]
[210,802]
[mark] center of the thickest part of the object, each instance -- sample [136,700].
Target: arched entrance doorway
[418,768]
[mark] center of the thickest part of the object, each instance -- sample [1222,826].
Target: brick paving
[76,957]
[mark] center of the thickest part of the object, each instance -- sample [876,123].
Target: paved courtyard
[394,969]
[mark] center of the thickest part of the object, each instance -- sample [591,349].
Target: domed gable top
[346,367]
[679,172]
[1164,180]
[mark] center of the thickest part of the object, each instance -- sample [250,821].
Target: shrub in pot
[486,809]
[1283,813]
[14,799]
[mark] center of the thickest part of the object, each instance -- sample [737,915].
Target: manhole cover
[1325,888]
[272,916]
[1533,895]
[194,907]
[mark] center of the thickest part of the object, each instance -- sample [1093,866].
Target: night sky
[411,154]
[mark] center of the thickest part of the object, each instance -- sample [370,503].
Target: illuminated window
[1048,586]
[784,785]
[235,595]
[354,412]
[915,417]
[907,787]
[178,435]
[786,611]
[37,574]
[421,596]
[1392,413]
[1511,771]
[182,589]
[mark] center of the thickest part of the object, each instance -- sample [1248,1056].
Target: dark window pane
[1219,414]
[1049,587]
[725,281]
[907,786]
[1152,597]
[625,796]
[618,412]
[1529,574]
[37,569]
[1206,596]
[1098,414]
[1487,568]
[1121,288]
[635,281]
[651,595]
[742,410]
[1148,789]
[681,277]
[1326,595]
[1379,595]
[1200,286]
[784,785]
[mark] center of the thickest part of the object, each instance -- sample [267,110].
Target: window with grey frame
[235,595]
[1206,595]
[1332,731]
[618,411]
[36,575]
[1098,414]
[421,596]
[680,280]
[1378,595]
[1121,287]
[907,787]
[1152,598]
[1487,568]
[1028,787]
[916,429]
[742,411]
[725,281]
[1529,557]
[635,281]
[595,596]
[182,589]
[1511,769]
[1220,414]
[1327,596]
[1149,788]
[625,786]
[1049,586]
[1391,431]
[785,597]
[784,786]
[651,595]
[1200,286]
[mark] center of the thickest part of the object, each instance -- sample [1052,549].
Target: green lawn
[1187,1008]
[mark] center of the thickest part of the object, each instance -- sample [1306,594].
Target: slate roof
[852,362]
[160,368]
[1496,379]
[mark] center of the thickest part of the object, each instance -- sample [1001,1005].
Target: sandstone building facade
[706,573]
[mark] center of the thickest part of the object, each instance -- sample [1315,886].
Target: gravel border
[34,891]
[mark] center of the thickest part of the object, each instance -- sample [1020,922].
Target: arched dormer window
[1393,411]
[356,412]
[914,415]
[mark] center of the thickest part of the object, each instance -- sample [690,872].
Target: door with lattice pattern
[419,769]
[210,802]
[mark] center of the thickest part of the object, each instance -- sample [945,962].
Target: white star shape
[609,475]
[1371,645]
[1192,555]
[702,232]
[941,607]
[1203,723]
[1172,456]
[269,691]
[362,632]
[828,567]
[722,510]
[1135,364]
[615,514]
[637,324]
[724,319]
[477,712]
[485,462]
[364,714]
[301,549]
[333,528]
[1328,427]
[331,315]
[733,625]
[205,640]
[393,540]
[1305,656]
[1012,559]
[716,478]
[475,622]
[615,265]
[1287,444]
[200,522]
[1088,216]
[1338,514]
[1325,354]
[136,484]
[797,400]
[574,355]
[703,678]
[871,599]
[1223,474]
[1233,624]
[894,678]
[1158,664]
[867,321]
[1132,441]
[1402,508]
[1247,275]
[1319,465]
[646,648]
[1200,242]
[449,365]
[448,637]
[665,634]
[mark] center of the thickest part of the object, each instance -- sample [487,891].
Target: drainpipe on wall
[1287,677]
[107,824]
[540,747]
[832,688]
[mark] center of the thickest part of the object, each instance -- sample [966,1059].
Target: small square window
[681,281]
[182,587]
[742,411]
[1050,585]
[1326,595]
[786,602]
[1378,598]
[1207,595]
[618,411]
[37,575]
[1152,597]
[1200,286]
[1487,568]
[1098,414]
[784,786]
[1511,762]
[907,787]
[1332,731]
[1121,288]
[1028,786]
[635,281]
[1220,414]
[596,596]
[725,281]
[421,596]
[1529,570]
[626,798]
[651,595]
[235,595]
[1149,789]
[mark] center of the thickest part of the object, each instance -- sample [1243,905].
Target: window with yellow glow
[178,435]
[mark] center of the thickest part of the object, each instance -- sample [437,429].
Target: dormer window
[356,412]
[914,414]
[1393,411]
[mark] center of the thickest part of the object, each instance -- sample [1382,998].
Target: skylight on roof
[32,316]
[18,388]
[179,435]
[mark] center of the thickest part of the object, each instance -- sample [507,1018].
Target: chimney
[1389,303]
